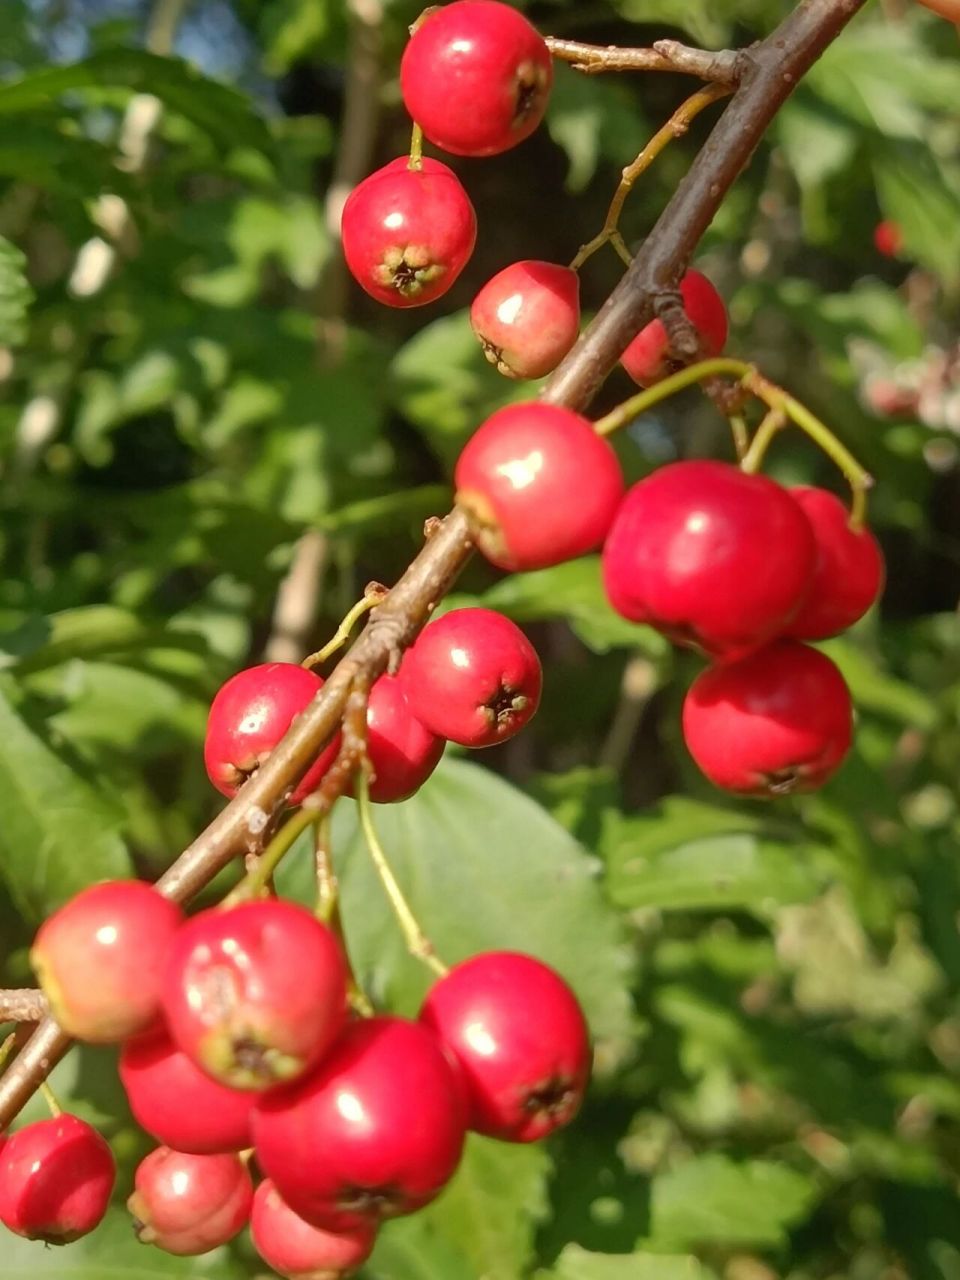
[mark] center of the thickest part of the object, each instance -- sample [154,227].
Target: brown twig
[719,67]
[770,72]
[22,1005]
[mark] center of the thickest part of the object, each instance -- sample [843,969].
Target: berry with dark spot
[528,317]
[190,1204]
[648,360]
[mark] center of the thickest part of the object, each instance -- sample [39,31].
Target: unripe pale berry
[298,1251]
[249,716]
[99,959]
[520,1038]
[408,233]
[473,677]
[476,76]
[255,994]
[540,485]
[375,1132]
[776,722]
[190,1204]
[710,556]
[177,1103]
[849,571]
[648,360]
[402,752]
[56,1177]
[528,317]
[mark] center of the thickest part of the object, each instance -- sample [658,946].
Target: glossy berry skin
[177,1103]
[528,317]
[249,716]
[408,233]
[519,1035]
[476,77]
[190,1204]
[375,1132]
[776,722]
[540,485]
[710,556]
[473,677]
[99,959]
[402,752]
[648,360]
[56,1177]
[255,994]
[298,1251]
[849,571]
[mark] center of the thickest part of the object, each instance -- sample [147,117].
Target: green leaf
[57,834]
[15,294]
[91,631]
[915,192]
[593,119]
[578,1264]
[876,689]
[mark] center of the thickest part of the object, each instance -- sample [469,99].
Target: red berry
[189,1204]
[887,235]
[255,994]
[710,556]
[99,959]
[519,1035]
[540,484]
[301,1252]
[249,716]
[775,722]
[647,359]
[56,1177]
[177,1103]
[408,233]
[476,77]
[528,317]
[376,1131]
[849,572]
[402,752]
[473,677]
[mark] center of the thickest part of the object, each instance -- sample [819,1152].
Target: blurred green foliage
[775,991]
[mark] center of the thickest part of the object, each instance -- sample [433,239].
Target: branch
[23,1005]
[720,67]
[771,70]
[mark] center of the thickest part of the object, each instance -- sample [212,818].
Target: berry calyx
[249,716]
[99,959]
[56,1177]
[408,233]
[528,317]
[849,571]
[520,1038]
[255,994]
[402,752]
[375,1132]
[540,485]
[298,1251]
[777,722]
[177,1103]
[710,556]
[476,77]
[473,677]
[648,360]
[190,1204]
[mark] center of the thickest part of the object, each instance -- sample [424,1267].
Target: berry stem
[327,886]
[256,881]
[416,148]
[625,413]
[741,436]
[375,594]
[774,421]
[50,1098]
[418,944]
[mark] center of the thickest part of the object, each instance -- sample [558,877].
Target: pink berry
[298,1251]
[99,959]
[249,716]
[776,722]
[376,1131]
[408,233]
[473,677]
[402,752]
[190,1204]
[647,359]
[528,317]
[255,994]
[849,572]
[177,1103]
[521,1040]
[540,484]
[476,76]
[56,1177]
[710,556]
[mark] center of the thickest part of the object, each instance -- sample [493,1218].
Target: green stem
[741,436]
[50,1098]
[418,944]
[7,1047]
[774,421]
[255,882]
[342,633]
[632,408]
[416,148]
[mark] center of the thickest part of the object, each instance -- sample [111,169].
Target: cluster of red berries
[238,1048]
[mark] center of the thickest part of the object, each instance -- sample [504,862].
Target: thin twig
[719,67]
[22,1005]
